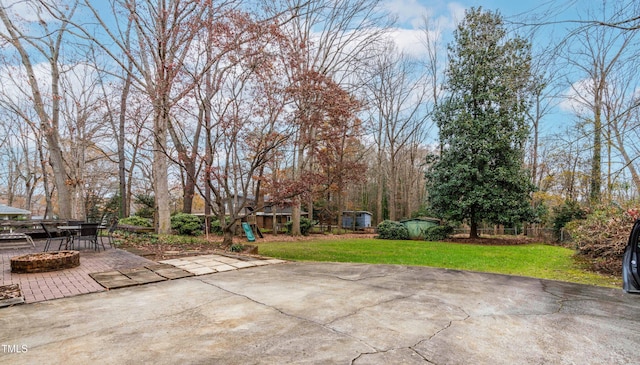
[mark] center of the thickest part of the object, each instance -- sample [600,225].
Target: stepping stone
[113,279]
[169,271]
[210,263]
[210,257]
[202,270]
[143,275]
[200,260]
[274,261]
[226,260]
[260,262]
[224,267]
[172,261]
[242,264]
[190,266]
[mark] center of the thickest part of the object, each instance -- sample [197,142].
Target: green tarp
[417,227]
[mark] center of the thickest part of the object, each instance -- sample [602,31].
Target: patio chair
[89,234]
[64,240]
[112,228]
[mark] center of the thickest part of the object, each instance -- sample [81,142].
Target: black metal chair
[64,240]
[89,234]
[112,228]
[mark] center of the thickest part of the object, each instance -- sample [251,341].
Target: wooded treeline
[205,104]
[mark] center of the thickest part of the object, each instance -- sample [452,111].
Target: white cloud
[455,16]
[577,97]
[28,10]
[409,41]
[408,12]
[411,13]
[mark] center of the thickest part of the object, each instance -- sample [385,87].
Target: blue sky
[447,14]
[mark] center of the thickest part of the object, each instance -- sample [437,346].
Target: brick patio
[70,282]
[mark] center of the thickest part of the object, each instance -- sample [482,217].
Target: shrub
[305,226]
[135,220]
[566,213]
[237,247]
[186,224]
[145,205]
[438,233]
[215,227]
[602,236]
[391,230]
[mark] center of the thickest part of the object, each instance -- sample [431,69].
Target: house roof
[7,210]
[356,212]
[268,210]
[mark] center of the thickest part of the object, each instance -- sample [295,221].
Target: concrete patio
[330,313]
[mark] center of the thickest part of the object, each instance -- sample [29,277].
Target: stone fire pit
[45,261]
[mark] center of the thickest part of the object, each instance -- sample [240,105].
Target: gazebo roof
[7,210]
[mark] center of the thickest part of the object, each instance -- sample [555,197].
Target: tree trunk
[275,220]
[188,161]
[295,218]
[189,187]
[379,173]
[379,190]
[596,175]
[122,160]
[393,187]
[59,174]
[45,177]
[635,177]
[227,241]
[160,172]
[310,208]
[473,231]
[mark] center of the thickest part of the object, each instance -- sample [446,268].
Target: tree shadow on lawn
[492,240]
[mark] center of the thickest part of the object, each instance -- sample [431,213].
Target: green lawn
[533,260]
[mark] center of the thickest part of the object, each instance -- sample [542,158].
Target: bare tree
[398,89]
[597,52]
[46,42]
[621,116]
[164,35]
[333,38]
[22,172]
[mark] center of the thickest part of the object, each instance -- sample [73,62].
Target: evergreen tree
[479,173]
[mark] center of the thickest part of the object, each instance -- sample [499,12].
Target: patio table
[74,231]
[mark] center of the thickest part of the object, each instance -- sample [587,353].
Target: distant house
[265,217]
[10,213]
[356,219]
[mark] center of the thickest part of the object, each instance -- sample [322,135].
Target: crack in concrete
[319,324]
[561,299]
[422,356]
[369,306]
[413,347]
[389,350]
[345,278]
[446,327]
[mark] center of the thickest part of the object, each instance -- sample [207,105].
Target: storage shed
[361,218]
[418,226]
